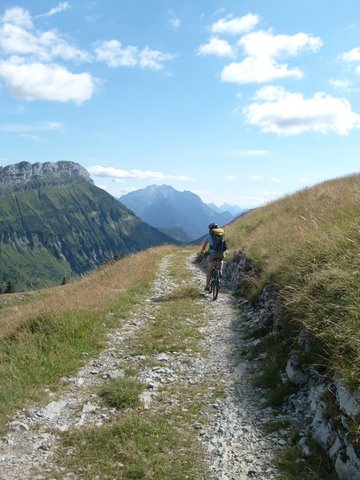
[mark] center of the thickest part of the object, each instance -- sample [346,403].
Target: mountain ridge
[20,174]
[164,207]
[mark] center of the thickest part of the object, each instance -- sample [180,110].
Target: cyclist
[210,241]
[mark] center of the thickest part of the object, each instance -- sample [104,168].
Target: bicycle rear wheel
[215,284]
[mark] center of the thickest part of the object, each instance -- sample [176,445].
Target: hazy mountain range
[233,209]
[182,215]
[55,223]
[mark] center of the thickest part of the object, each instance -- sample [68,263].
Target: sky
[240,102]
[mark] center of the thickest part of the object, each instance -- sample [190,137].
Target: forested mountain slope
[55,223]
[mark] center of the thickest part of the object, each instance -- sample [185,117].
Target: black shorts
[214,255]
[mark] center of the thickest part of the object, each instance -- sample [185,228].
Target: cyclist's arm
[203,247]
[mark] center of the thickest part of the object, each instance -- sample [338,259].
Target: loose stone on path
[232,437]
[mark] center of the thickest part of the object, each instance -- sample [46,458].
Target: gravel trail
[233,438]
[230,428]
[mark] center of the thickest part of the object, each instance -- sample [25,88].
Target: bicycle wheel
[215,284]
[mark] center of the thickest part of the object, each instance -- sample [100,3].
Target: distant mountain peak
[170,210]
[24,172]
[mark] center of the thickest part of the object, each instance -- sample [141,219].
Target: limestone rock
[294,373]
[24,172]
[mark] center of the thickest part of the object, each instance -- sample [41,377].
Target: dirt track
[229,428]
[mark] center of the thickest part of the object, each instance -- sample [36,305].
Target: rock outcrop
[24,172]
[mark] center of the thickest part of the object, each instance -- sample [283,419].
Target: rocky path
[229,428]
[233,438]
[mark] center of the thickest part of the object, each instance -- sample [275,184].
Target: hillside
[175,361]
[307,246]
[55,223]
[181,214]
[299,265]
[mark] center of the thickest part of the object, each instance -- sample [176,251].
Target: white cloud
[267,195]
[117,173]
[250,153]
[258,199]
[263,54]
[341,84]
[59,47]
[115,55]
[28,66]
[153,59]
[20,128]
[284,113]
[174,21]
[351,55]
[260,178]
[19,39]
[264,44]
[37,81]
[53,11]
[257,70]
[34,138]
[217,46]
[303,180]
[231,178]
[17,16]
[235,26]
[16,40]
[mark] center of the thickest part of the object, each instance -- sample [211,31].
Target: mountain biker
[210,241]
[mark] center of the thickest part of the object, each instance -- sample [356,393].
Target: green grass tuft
[122,393]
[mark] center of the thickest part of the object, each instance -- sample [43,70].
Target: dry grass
[308,244]
[93,293]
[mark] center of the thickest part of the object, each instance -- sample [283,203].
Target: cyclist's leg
[209,270]
[221,267]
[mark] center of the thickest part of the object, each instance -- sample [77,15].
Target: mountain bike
[215,278]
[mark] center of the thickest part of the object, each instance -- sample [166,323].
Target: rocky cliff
[24,172]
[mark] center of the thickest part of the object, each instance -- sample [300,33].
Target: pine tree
[10,287]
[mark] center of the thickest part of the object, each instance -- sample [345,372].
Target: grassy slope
[43,334]
[308,245]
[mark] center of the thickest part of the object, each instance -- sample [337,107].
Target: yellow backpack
[220,244]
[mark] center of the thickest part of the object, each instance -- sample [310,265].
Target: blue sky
[238,101]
